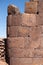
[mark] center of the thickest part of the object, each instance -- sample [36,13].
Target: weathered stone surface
[2,49]
[41,35]
[38,53]
[28,19]
[9,20]
[42,29]
[20,61]
[40,7]
[31,7]
[41,42]
[14,20]
[19,31]
[22,19]
[25,53]
[39,19]
[13,10]
[25,34]
[35,43]
[35,34]
[37,61]
[23,42]
[26,61]
[18,42]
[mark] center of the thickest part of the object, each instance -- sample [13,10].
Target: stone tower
[25,34]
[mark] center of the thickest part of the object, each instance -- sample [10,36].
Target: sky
[3,13]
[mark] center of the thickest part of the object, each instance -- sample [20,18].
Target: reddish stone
[18,42]
[39,19]
[31,7]
[14,20]
[37,61]
[19,31]
[28,19]
[12,10]
[20,61]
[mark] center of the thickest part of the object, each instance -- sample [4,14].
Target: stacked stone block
[25,35]
[2,50]
[31,7]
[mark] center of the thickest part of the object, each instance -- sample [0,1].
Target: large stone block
[42,29]
[35,43]
[40,7]
[9,20]
[37,61]
[41,42]
[22,19]
[39,19]
[28,19]
[8,32]
[18,42]
[25,53]
[16,52]
[26,61]
[38,53]
[23,42]
[14,20]
[31,7]
[12,10]
[19,31]
[35,34]
[20,61]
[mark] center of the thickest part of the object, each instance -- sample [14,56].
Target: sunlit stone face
[25,34]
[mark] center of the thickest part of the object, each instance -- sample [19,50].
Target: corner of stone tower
[31,7]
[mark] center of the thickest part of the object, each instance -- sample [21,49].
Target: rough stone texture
[41,41]
[21,61]
[28,19]
[21,53]
[27,61]
[22,19]
[31,7]
[15,18]
[19,42]
[13,10]
[23,42]
[20,31]
[39,19]
[26,53]
[2,50]
[37,61]
[40,7]
[25,34]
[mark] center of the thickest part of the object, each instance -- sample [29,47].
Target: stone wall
[25,34]
[2,50]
